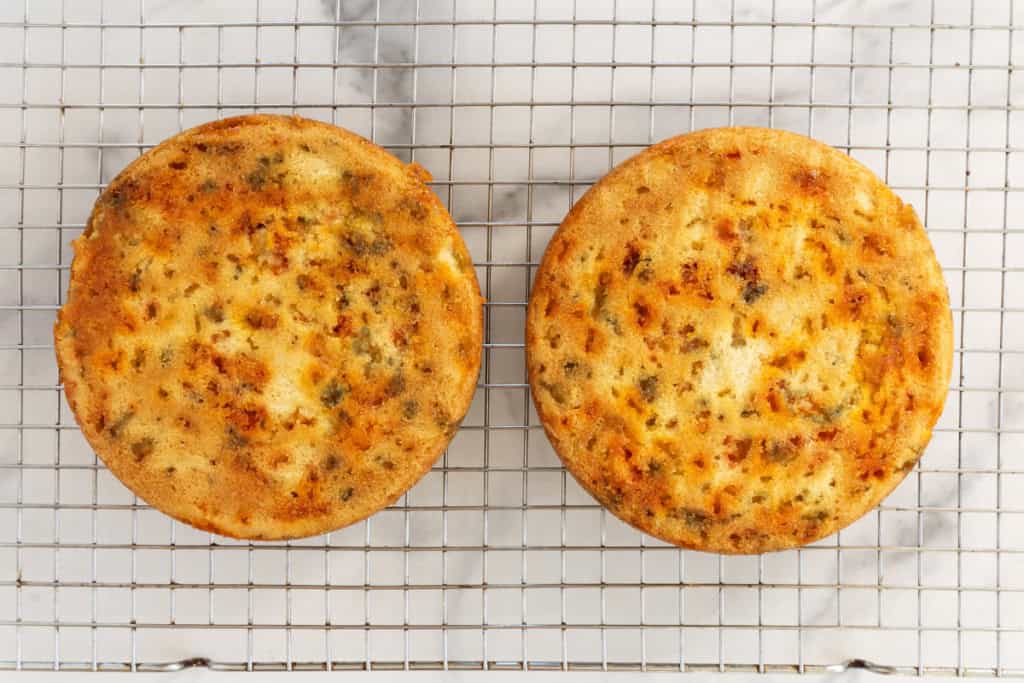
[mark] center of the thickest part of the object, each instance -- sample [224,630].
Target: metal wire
[498,560]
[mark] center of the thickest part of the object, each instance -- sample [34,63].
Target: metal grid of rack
[497,559]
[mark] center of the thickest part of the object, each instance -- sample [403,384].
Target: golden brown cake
[739,340]
[273,327]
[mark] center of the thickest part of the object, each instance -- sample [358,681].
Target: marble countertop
[513,119]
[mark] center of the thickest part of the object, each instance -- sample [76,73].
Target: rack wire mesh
[497,559]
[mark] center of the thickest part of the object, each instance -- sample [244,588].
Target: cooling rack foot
[180,665]
[861,664]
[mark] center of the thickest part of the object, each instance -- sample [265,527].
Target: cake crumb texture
[739,340]
[273,327]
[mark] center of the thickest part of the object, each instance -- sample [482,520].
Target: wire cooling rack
[497,560]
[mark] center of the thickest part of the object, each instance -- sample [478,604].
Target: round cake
[273,327]
[739,340]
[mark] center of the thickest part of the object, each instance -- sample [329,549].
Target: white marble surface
[885,589]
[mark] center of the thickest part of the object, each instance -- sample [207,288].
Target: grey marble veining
[890,580]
